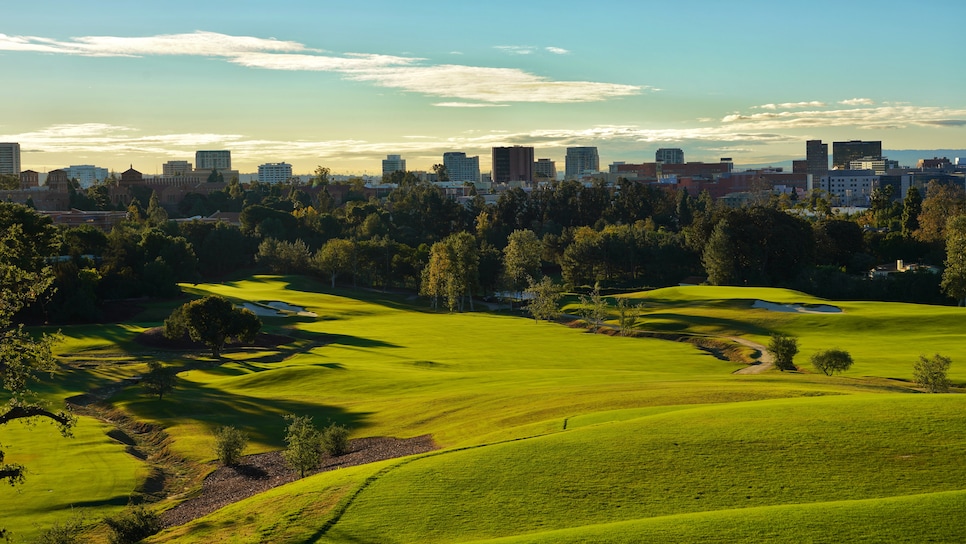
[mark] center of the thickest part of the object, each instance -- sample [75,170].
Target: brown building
[513,164]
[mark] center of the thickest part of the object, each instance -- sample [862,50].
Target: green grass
[554,434]
[90,474]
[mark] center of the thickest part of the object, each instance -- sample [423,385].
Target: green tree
[25,240]
[303,444]
[321,177]
[212,320]
[719,256]
[830,361]
[441,173]
[156,215]
[932,373]
[338,256]
[627,314]
[230,443]
[783,348]
[453,271]
[954,275]
[911,208]
[134,524]
[593,309]
[521,259]
[544,296]
[159,379]
[942,202]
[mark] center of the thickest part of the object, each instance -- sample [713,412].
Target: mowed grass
[89,474]
[549,428]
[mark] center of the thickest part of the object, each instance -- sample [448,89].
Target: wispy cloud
[468,105]
[857,102]
[882,117]
[791,105]
[556,50]
[412,74]
[516,49]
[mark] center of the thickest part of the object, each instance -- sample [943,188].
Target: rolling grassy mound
[553,434]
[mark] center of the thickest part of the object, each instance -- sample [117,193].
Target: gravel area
[261,472]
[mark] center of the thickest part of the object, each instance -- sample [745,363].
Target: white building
[10,158]
[460,168]
[580,161]
[86,174]
[176,168]
[275,172]
[850,187]
[213,160]
[879,165]
[393,163]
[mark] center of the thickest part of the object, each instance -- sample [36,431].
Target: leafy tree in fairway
[230,443]
[954,276]
[784,348]
[337,256]
[544,298]
[932,373]
[212,320]
[25,240]
[521,258]
[593,309]
[453,271]
[830,361]
[304,444]
[627,315]
[159,379]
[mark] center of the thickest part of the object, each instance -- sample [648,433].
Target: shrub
[63,532]
[304,444]
[229,445]
[831,361]
[335,440]
[133,525]
[784,348]
[931,373]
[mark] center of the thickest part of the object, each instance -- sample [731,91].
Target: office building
[669,155]
[545,169]
[459,167]
[10,158]
[213,160]
[850,187]
[393,163]
[512,164]
[816,158]
[276,172]
[843,153]
[879,165]
[176,168]
[86,174]
[580,161]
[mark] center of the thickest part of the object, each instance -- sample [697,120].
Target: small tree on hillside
[831,361]
[932,373]
[627,315]
[593,309]
[304,444]
[212,320]
[159,379]
[335,440]
[783,348]
[544,296]
[230,443]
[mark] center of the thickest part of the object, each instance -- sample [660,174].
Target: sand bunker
[798,308]
[278,309]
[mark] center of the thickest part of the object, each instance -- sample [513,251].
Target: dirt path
[765,362]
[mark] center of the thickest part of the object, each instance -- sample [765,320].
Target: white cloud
[857,102]
[468,105]
[791,105]
[883,117]
[557,50]
[473,83]
[516,49]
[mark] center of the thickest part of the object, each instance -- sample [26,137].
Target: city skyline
[114,85]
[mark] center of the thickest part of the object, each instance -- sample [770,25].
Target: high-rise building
[275,172]
[86,174]
[669,155]
[459,167]
[843,153]
[393,163]
[213,160]
[816,158]
[512,164]
[581,160]
[10,158]
[545,169]
[176,168]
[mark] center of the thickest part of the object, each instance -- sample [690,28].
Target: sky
[117,83]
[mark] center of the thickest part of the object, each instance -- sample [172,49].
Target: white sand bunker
[278,309]
[799,308]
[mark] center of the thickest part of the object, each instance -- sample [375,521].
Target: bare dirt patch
[261,472]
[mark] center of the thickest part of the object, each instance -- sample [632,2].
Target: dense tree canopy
[212,320]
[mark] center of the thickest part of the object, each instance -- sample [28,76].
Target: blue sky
[342,84]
